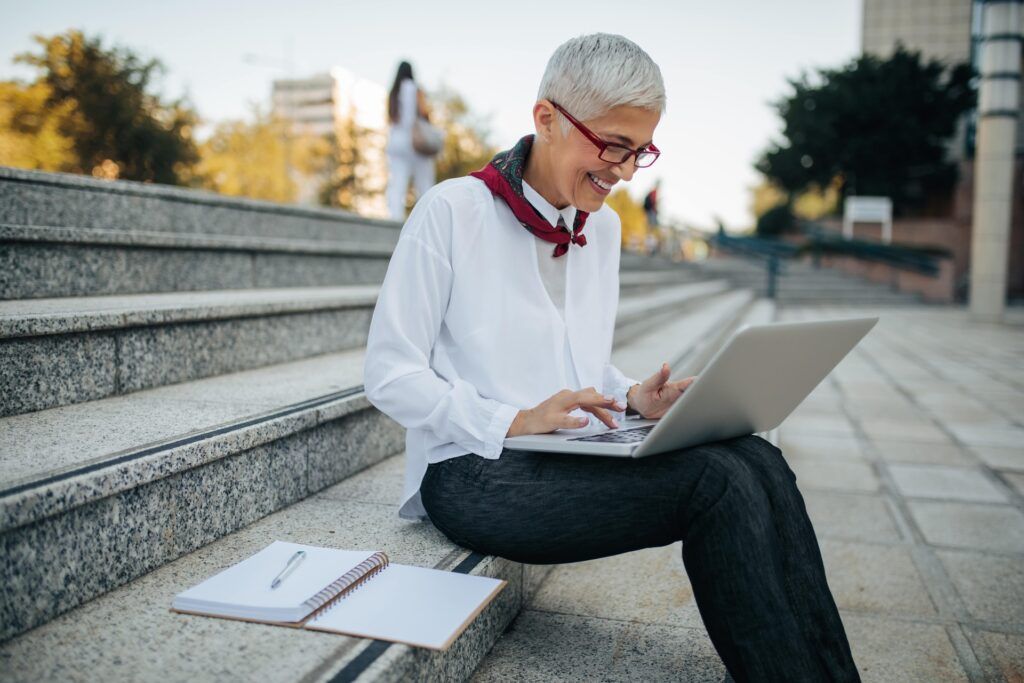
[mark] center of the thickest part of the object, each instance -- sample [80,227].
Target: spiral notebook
[356,593]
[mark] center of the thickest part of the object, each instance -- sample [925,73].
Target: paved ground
[911,460]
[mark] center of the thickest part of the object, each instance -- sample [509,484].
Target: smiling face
[575,174]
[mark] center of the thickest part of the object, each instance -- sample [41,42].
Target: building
[326,104]
[947,30]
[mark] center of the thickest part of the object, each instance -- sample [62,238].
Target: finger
[572,422]
[683,384]
[659,377]
[589,398]
[604,416]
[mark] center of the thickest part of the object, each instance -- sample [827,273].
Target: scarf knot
[503,176]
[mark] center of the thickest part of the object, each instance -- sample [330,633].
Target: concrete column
[998,110]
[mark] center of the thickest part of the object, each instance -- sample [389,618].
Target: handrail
[754,247]
[923,260]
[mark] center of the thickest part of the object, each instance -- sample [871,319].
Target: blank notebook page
[243,590]
[413,605]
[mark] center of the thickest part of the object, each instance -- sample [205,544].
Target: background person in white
[406,102]
[482,332]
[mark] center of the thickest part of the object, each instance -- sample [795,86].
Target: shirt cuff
[497,430]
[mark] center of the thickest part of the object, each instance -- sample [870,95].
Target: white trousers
[402,167]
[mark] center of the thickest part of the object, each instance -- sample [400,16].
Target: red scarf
[504,178]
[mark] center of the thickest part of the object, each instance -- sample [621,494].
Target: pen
[293,562]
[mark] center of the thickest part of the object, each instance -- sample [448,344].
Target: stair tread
[632,305]
[131,634]
[66,441]
[28,317]
[77,444]
[665,344]
[205,241]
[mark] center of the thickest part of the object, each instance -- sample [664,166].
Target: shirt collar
[547,210]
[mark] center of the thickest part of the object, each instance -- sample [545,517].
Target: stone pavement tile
[1005,437]
[944,482]
[1001,458]
[549,648]
[1008,652]
[886,410]
[888,651]
[893,450]
[879,389]
[970,525]
[970,418]
[852,517]
[1016,480]
[846,475]
[900,429]
[646,586]
[819,447]
[992,587]
[875,578]
[817,423]
[666,653]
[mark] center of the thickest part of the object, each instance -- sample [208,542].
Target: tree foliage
[351,179]
[248,159]
[101,102]
[631,214]
[466,146]
[881,127]
[32,132]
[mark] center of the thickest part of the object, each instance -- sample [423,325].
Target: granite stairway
[799,283]
[181,384]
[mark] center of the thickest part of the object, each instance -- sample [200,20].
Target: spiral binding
[346,583]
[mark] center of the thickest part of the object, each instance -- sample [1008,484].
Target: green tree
[31,131]
[247,159]
[352,180]
[117,126]
[466,145]
[880,126]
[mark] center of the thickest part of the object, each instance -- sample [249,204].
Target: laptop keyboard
[618,436]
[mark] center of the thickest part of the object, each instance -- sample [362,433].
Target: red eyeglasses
[610,152]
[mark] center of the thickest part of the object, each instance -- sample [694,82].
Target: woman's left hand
[655,395]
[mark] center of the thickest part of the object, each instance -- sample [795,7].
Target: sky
[723,63]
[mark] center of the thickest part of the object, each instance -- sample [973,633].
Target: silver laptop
[751,385]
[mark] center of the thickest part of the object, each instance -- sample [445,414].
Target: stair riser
[81,203]
[31,270]
[57,370]
[400,664]
[59,562]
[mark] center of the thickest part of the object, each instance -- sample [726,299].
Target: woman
[405,103]
[484,329]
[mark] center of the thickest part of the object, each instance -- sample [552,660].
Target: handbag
[427,139]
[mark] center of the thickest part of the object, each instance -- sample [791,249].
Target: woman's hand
[553,413]
[655,395]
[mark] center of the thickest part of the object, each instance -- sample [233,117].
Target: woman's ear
[544,119]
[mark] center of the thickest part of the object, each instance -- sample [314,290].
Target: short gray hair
[590,75]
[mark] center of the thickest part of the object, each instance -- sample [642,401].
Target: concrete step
[677,338]
[640,312]
[73,201]
[61,262]
[165,458]
[144,507]
[130,634]
[70,350]
[640,281]
[96,494]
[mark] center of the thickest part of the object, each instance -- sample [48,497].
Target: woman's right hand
[554,414]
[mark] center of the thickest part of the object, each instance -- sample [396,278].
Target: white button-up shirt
[465,333]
